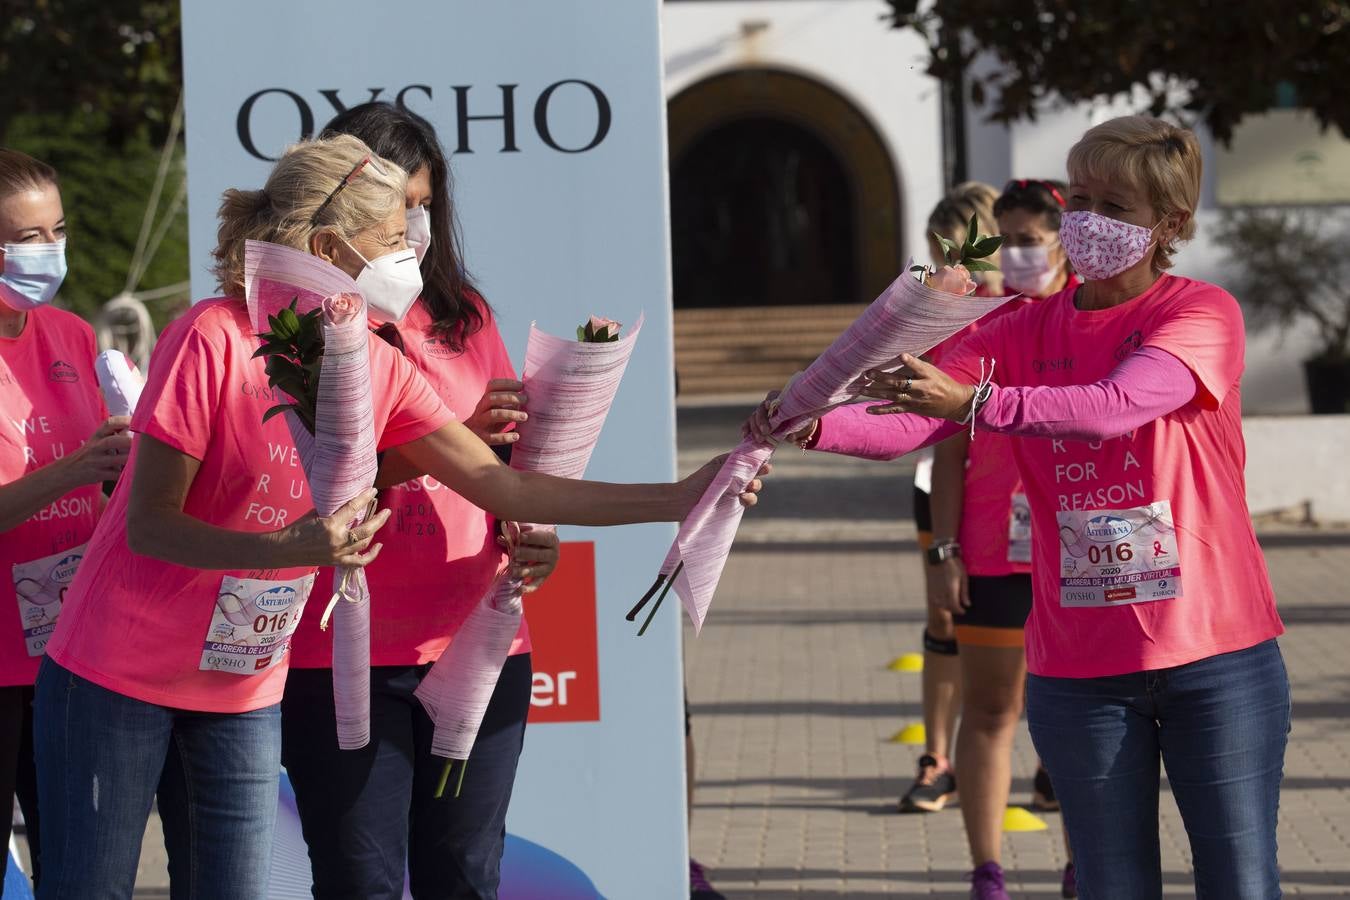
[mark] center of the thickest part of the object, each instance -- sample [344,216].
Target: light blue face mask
[33,274]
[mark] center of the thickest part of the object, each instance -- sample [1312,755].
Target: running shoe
[986,883]
[1068,888]
[699,886]
[1043,792]
[933,787]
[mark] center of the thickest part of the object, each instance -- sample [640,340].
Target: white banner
[555,116]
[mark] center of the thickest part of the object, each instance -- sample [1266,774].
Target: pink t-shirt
[995,532]
[440,551]
[1144,556]
[49,405]
[147,628]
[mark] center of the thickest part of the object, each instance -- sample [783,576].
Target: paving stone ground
[793,704]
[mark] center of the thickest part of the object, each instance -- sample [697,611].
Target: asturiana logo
[274,599]
[64,570]
[1107,528]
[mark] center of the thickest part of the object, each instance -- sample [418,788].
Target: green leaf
[581,333]
[277,410]
[947,245]
[985,246]
[290,319]
[972,232]
[923,269]
[979,265]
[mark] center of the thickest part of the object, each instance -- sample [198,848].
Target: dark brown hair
[405,138]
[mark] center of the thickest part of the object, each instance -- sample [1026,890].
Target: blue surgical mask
[33,274]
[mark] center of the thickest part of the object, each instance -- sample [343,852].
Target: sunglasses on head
[1023,184]
[314,220]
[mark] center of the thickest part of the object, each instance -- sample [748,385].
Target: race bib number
[1019,530]
[1114,556]
[40,588]
[252,623]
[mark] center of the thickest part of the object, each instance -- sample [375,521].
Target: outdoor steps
[736,350]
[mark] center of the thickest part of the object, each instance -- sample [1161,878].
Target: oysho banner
[555,115]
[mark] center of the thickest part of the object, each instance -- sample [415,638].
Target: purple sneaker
[1068,888]
[699,886]
[986,883]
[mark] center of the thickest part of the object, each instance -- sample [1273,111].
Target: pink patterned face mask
[1100,247]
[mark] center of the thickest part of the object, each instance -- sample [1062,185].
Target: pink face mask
[1100,247]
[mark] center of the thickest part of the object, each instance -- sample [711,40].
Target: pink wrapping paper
[571,386]
[908,317]
[339,458]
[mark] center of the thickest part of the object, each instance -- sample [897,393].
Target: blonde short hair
[951,219]
[291,208]
[1157,157]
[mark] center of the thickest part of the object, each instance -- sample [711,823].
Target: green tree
[1229,57]
[115,60]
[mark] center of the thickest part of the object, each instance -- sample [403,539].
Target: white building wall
[843,44]
[846,45]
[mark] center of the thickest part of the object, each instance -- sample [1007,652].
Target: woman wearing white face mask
[980,561]
[1151,640]
[364,813]
[58,445]
[148,689]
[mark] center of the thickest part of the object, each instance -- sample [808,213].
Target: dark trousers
[364,812]
[18,775]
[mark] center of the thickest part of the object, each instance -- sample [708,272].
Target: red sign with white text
[562,635]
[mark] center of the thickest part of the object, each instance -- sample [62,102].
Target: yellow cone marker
[1015,818]
[910,734]
[909,662]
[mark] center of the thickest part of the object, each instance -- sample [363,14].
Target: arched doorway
[782,194]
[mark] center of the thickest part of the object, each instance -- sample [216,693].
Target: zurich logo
[1107,528]
[275,598]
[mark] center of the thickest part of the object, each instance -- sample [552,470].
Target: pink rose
[951,280]
[598,322]
[340,308]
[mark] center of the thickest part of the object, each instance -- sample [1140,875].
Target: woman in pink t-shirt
[57,446]
[1152,632]
[369,816]
[152,683]
[979,568]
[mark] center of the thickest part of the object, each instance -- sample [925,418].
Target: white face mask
[1027,269]
[390,284]
[33,274]
[419,231]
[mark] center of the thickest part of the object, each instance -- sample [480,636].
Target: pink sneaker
[986,883]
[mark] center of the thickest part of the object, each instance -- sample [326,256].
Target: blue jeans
[102,757]
[1219,725]
[364,812]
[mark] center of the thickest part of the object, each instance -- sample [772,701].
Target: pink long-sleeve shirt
[1128,439]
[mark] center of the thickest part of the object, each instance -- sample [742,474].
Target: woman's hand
[334,541]
[918,387]
[502,405]
[948,585]
[535,554]
[757,427]
[103,456]
[696,484]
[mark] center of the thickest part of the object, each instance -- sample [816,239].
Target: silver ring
[352,538]
[909,383]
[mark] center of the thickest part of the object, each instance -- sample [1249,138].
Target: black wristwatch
[942,551]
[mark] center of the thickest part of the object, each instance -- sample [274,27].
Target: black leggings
[18,775]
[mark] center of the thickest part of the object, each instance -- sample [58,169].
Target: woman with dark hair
[364,812]
[979,567]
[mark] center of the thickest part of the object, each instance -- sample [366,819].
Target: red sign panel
[562,633]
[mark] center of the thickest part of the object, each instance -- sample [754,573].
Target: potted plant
[1292,268]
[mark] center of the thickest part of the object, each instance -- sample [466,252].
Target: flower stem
[670,582]
[656,585]
[463,767]
[445,776]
